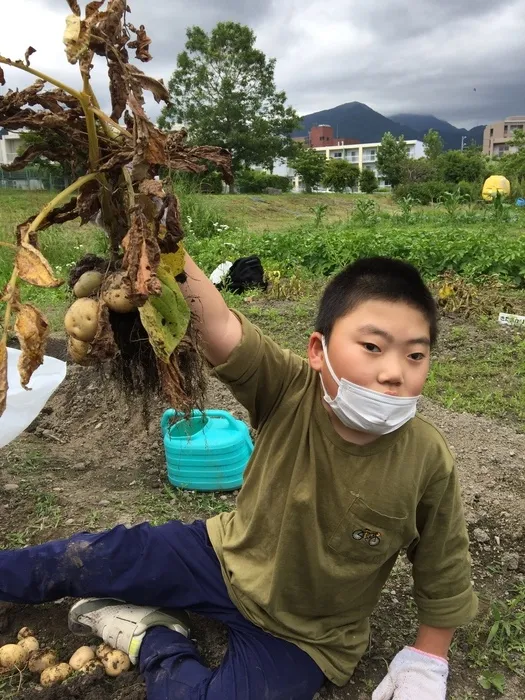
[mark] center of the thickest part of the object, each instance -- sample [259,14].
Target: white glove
[414,675]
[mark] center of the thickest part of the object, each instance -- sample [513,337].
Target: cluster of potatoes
[81,320]
[45,662]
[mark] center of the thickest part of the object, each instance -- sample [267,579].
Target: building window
[506,130]
[491,133]
[337,154]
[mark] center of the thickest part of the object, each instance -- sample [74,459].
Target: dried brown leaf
[3,375]
[74,7]
[93,7]
[30,51]
[141,44]
[139,81]
[29,155]
[88,203]
[34,268]
[153,188]
[170,213]
[149,143]
[141,258]
[118,89]
[23,235]
[2,76]
[32,331]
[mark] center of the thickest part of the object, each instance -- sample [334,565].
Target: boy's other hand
[414,675]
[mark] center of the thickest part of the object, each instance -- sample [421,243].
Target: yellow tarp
[494,184]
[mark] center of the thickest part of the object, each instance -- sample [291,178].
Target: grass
[477,367]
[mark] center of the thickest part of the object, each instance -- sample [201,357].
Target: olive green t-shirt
[320,521]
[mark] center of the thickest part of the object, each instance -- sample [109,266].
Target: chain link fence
[31,179]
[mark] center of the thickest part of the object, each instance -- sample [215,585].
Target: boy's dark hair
[381,278]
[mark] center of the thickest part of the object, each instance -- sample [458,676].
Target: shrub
[368,181]
[257,181]
[472,190]
[422,192]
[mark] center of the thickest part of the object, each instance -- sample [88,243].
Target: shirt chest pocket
[365,534]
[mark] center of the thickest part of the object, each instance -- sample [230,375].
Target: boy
[344,475]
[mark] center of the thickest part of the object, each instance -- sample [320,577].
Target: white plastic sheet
[220,272]
[24,406]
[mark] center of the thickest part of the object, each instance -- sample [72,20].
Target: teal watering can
[207,451]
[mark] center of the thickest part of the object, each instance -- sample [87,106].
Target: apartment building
[10,142]
[364,155]
[496,136]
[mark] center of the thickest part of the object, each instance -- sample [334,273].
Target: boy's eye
[371,347]
[417,356]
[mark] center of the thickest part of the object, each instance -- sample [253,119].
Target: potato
[25,632]
[82,319]
[29,644]
[87,284]
[40,660]
[13,656]
[55,675]
[92,667]
[81,657]
[116,662]
[78,350]
[102,650]
[117,294]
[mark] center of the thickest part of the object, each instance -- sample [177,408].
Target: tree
[224,92]
[49,141]
[368,181]
[391,156]
[418,170]
[432,144]
[340,174]
[512,165]
[457,166]
[310,165]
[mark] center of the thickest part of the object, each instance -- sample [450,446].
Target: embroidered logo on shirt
[373,538]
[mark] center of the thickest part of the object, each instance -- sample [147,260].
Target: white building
[10,142]
[363,155]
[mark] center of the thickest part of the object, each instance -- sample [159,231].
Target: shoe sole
[84,607]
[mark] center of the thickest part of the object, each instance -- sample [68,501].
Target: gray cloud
[425,56]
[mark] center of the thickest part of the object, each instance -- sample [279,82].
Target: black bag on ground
[245,273]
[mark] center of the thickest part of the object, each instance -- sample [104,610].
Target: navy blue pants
[173,566]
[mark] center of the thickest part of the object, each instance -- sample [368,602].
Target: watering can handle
[215,413]
[167,418]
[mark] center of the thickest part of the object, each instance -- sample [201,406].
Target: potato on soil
[30,644]
[116,662]
[13,656]
[102,650]
[82,319]
[25,632]
[87,284]
[81,657]
[41,660]
[55,675]
[93,667]
[78,350]
[117,294]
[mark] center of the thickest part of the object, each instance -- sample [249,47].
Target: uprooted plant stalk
[129,308]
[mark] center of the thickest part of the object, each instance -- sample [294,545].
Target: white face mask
[367,410]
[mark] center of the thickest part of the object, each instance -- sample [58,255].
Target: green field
[478,366]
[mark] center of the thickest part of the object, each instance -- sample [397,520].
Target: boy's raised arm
[220,329]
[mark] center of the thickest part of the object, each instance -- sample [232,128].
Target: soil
[100,457]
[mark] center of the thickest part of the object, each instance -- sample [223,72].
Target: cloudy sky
[461,60]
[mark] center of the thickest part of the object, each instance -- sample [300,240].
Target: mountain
[355,120]
[358,121]
[450,134]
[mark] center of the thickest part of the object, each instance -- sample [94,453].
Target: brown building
[496,136]
[323,135]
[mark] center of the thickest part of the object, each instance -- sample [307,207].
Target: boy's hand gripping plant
[129,308]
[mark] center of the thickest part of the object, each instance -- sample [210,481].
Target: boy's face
[380,345]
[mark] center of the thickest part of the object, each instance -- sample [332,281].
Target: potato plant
[129,309]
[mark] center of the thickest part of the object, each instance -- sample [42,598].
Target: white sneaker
[123,626]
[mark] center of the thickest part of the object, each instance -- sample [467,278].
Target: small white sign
[511,320]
